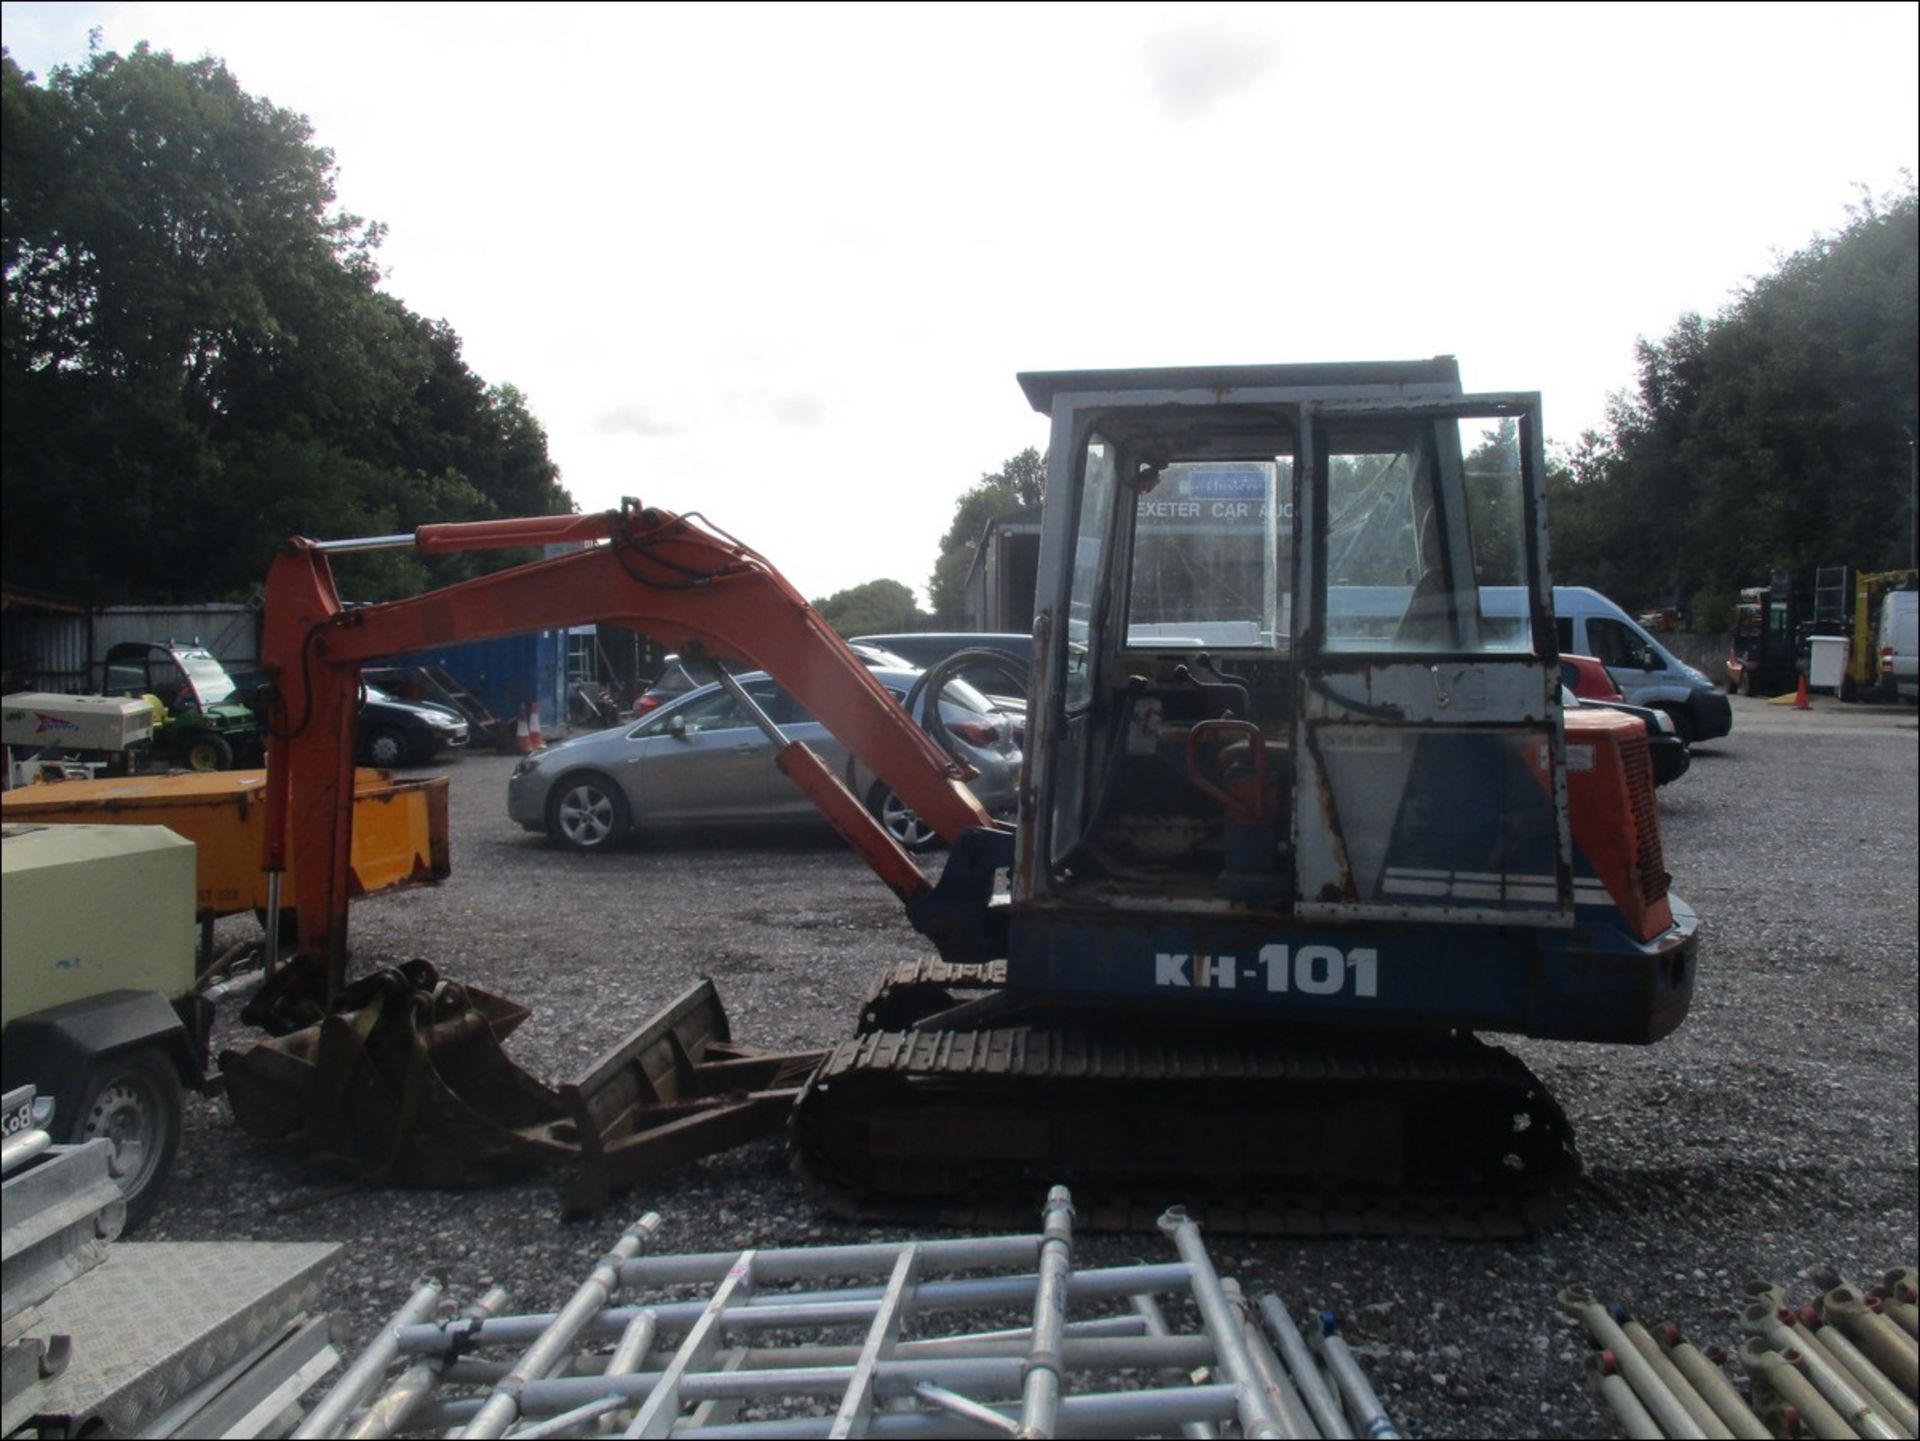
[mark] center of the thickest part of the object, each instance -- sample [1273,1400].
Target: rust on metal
[1322,788]
[407,1083]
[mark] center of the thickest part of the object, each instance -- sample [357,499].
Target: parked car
[1671,756]
[928,648]
[1587,678]
[433,684]
[395,732]
[388,731]
[674,681]
[698,761]
[677,678]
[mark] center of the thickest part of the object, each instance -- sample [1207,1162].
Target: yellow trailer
[399,826]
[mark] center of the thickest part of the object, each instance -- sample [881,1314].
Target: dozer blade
[406,1083]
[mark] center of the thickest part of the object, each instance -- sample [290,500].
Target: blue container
[505,674]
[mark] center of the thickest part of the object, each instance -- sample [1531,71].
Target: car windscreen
[210,680]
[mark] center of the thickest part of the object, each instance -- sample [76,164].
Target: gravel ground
[1772,1136]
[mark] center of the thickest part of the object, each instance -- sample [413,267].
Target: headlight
[527,763]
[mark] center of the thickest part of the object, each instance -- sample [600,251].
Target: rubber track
[1252,1133]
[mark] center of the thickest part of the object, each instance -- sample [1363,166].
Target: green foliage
[877,607]
[1017,487]
[1496,516]
[1773,435]
[197,361]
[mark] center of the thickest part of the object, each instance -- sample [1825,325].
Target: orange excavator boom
[642,568]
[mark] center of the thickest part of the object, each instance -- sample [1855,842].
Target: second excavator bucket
[406,1082]
[677,1089]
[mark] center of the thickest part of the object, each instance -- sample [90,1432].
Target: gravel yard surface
[1772,1136]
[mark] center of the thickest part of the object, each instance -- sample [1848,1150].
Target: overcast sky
[781,264]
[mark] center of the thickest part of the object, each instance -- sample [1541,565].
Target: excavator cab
[1282,758]
[1301,815]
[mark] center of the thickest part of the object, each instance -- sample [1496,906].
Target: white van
[1898,642]
[1647,673]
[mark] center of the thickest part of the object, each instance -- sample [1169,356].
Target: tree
[875,607]
[1773,435]
[197,360]
[1016,488]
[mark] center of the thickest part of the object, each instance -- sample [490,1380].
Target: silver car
[698,761]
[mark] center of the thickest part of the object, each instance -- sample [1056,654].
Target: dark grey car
[699,761]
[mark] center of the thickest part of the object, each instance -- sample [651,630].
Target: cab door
[1430,779]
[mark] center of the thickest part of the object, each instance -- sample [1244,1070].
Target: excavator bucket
[679,1088]
[406,1082]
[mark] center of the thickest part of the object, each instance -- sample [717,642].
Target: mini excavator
[1298,818]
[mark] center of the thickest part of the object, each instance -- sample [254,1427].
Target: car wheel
[385,747]
[587,813]
[209,752]
[899,819]
[134,1101]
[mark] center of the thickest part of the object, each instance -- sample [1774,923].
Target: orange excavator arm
[645,569]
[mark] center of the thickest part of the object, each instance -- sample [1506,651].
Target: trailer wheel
[134,1101]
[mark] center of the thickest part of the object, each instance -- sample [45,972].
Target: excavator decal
[1311,970]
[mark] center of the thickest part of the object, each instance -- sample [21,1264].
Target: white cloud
[783,263]
[1195,69]
[797,410]
[635,420]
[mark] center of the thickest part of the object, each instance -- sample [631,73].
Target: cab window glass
[129,677]
[1089,556]
[1212,556]
[1563,632]
[718,711]
[1421,513]
[1389,582]
[783,708]
[210,679]
[1613,643]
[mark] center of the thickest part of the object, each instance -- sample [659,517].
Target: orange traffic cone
[1800,701]
[521,741]
[535,741]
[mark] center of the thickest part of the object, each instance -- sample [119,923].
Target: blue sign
[1239,483]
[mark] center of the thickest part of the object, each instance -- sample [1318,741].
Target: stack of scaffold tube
[755,1344]
[1846,1364]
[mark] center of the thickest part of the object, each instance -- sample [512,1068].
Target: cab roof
[1437,376]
